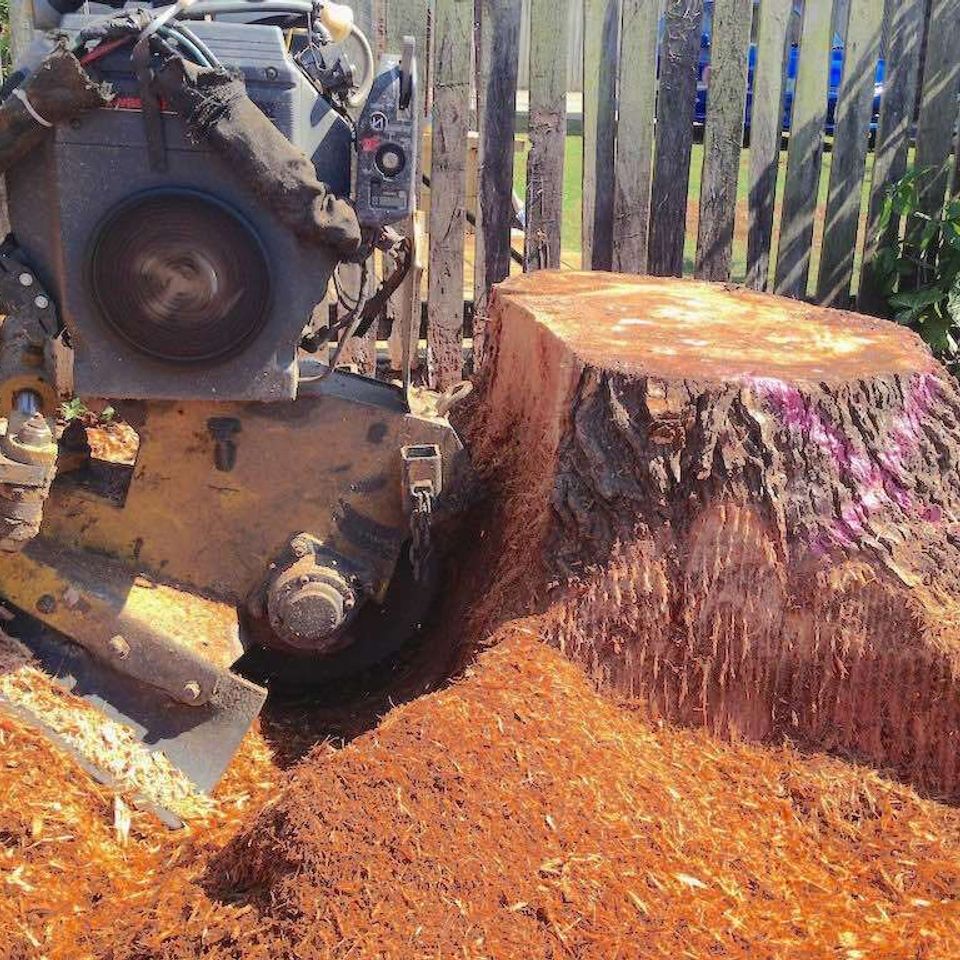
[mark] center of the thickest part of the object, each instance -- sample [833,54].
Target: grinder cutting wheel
[181,198]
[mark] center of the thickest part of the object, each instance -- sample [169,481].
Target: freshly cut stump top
[693,330]
[742,510]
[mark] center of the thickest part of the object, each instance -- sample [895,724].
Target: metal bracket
[140,627]
[422,484]
[422,470]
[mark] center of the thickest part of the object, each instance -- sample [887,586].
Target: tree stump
[740,509]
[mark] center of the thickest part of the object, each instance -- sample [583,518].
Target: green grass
[573,193]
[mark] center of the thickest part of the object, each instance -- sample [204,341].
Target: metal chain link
[420,518]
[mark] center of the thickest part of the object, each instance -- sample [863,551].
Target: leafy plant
[918,266]
[76,409]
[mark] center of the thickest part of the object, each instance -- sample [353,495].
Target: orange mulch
[76,860]
[518,814]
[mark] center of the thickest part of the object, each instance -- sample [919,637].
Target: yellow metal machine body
[232,526]
[218,490]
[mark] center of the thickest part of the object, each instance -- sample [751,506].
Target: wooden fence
[638,139]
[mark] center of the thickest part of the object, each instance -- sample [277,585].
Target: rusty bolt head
[46,604]
[191,690]
[119,647]
[35,432]
[301,545]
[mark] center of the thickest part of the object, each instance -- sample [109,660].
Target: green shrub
[919,268]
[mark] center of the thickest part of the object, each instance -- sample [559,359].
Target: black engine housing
[67,198]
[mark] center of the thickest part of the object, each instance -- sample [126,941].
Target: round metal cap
[308,608]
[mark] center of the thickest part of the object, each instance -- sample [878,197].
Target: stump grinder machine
[185,184]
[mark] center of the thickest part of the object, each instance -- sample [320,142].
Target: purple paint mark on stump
[875,484]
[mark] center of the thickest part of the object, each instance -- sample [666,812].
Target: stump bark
[740,509]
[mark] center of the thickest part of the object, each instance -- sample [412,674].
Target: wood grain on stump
[743,510]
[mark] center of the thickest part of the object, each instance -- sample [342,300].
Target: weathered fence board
[451,106]
[600,54]
[904,31]
[547,131]
[679,53]
[498,50]
[636,111]
[850,142]
[766,132]
[360,352]
[411,18]
[938,103]
[805,153]
[723,137]
[397,19]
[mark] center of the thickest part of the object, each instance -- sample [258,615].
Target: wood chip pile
[78,861]
[515,814]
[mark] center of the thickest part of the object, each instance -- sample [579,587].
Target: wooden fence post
[805,153]
[904,31]
[723,137]
[396,19]
[451,111]
[633,171]
[850,143]
[601,28]
[938,103]
[679,55]
[21,27]
[766,133]
[547,129]
[497,61]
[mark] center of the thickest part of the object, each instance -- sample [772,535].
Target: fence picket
[938,102]
[723,137]
[497,61]
[601,20]
[766,131]
[451,106]
[547,131]
[805,152]
[850,143]
[904,34]
[679,53]
[633,168]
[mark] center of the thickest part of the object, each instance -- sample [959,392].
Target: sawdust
[108,745]
[74,858]
[114,442]
[519,814]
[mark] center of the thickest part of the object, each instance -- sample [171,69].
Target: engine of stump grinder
[195,192]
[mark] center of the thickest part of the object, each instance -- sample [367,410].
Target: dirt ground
[515,813]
